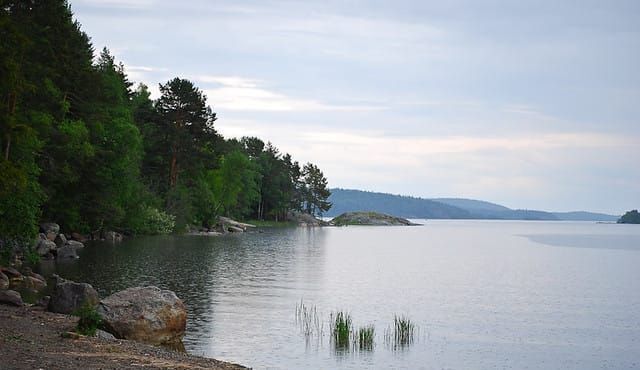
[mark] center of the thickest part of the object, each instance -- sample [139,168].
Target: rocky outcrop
[68,296]
[11,297]
[370,218]
[304,219]
[10,278]
[50,230]
[46,248]
[226,224]
[145,314]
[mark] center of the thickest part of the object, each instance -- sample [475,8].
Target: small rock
[78,237]
[50,230]
[66,252]
[33,283]
[104,335]
[16,282]
[11,297]
[28,272]
[10,272]
[4,281]
[75,244]
[60,240]
[68,296]
[46,246]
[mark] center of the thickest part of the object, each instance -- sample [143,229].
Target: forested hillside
[83,147]
[345,200]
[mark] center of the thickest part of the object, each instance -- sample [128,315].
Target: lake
[483,294]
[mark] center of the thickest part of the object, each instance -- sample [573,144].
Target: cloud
[244,94]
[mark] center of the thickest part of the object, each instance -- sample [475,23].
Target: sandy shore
[30,338]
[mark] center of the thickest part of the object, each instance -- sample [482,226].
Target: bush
[89,321]
[155,221]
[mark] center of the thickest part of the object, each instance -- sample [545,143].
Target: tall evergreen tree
[317,191]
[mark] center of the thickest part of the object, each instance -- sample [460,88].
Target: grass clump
[89,321]
[365,337]
[308,320]
[341,329]
[402,334]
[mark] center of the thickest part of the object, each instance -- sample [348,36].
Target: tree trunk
[7,147]
[173,174]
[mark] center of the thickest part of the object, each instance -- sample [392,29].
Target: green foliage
[32,256]
[402,333]
[631,217]
[80,147]
[341,328]
[89,319]
[234,185]
[155,221]
[316,190]
[365,337]
[20,199]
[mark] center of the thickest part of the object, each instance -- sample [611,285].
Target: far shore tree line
[82,147]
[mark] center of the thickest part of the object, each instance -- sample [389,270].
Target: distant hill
[585,216]
[473,205]
[345,200]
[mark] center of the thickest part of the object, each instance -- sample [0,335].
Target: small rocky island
[370,219]
[631,217]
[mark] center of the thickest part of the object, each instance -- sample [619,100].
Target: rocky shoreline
[46,335]
[31,338]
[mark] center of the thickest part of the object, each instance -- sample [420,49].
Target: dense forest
[83,147]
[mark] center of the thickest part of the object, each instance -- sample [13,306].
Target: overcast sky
[531,104]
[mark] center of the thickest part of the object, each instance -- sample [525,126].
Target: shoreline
[31,337]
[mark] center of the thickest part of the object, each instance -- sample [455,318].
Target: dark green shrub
[89,321]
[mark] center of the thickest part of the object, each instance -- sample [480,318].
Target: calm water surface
[485,294]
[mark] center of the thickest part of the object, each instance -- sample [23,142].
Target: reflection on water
[481,295]
[626,242]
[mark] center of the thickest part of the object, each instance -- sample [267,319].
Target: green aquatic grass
[365,338]
[341,329]
[308,320]
[402,333]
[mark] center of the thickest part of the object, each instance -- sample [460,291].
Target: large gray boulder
[68,296]
[145,314]
[11,297]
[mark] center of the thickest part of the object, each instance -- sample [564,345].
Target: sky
[530,104]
